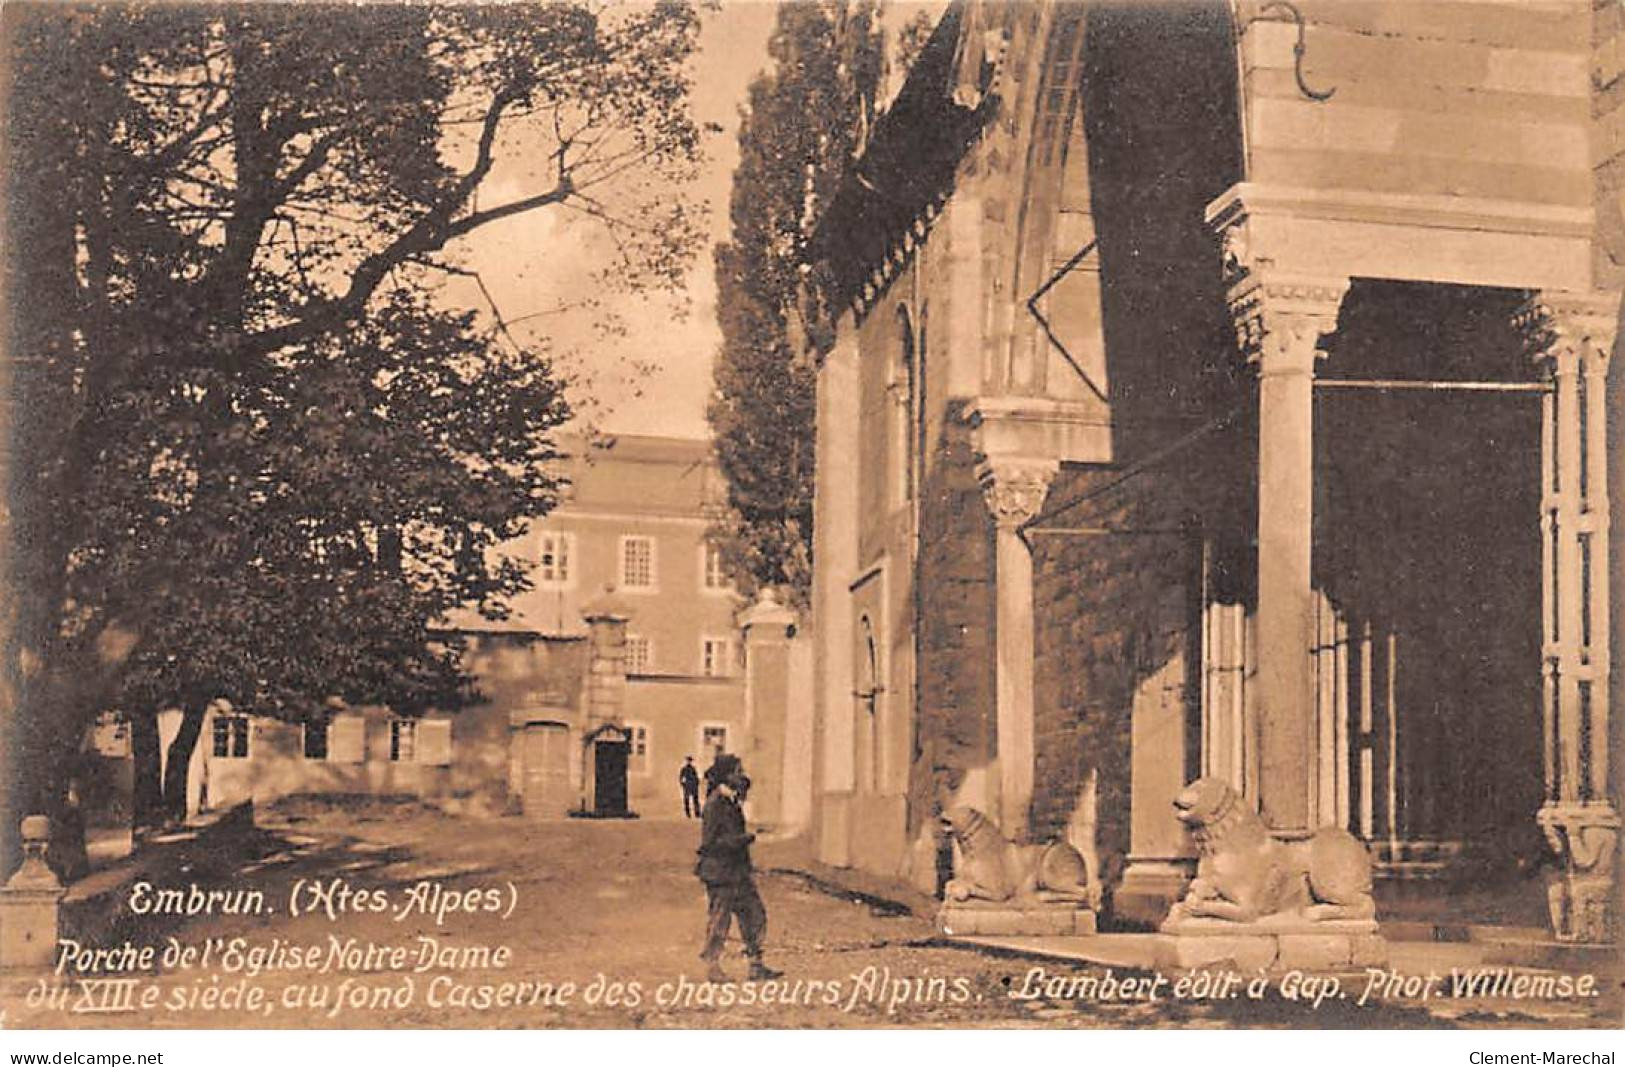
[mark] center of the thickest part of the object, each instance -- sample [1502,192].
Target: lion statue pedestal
[1261,903]
[1002,888]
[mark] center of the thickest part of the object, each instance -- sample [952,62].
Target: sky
[531,261]
[656,377]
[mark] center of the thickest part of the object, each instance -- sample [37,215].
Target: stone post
[1280,321]
[30,903]
[606,668]
[768,626]
[1573,338]
[605,695]
[1014,490]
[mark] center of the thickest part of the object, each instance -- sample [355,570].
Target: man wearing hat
[689,780]
[725,869]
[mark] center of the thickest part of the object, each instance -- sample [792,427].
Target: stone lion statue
[994,868]
[1243,874]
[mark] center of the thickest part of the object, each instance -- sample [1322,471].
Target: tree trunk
[47,735]
[146,753]
[179,760]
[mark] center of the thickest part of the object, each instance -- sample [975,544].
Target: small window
[713,739]
[638,756]
[637,563]
[717,657]
[231,737]
[403,740]
[316,739]
[640,654]
[556,557]
[715,578]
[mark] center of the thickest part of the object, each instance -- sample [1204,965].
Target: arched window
[900,388]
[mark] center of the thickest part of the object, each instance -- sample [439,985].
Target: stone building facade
[628,541]
[1226,389]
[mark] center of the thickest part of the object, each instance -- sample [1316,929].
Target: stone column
[1572,335]
[1280,322]
[1014,490]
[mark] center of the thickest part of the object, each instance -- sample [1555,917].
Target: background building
[629,540]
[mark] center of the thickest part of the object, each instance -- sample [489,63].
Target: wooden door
[547,769]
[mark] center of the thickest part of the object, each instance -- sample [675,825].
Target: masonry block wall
[1118,574]
[1466,99]
[1608,138]
[1116,610]
[956,646]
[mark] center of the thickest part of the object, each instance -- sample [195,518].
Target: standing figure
[725,869]
[689,779]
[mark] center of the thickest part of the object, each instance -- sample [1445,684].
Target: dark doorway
[609,778]
[1428,544]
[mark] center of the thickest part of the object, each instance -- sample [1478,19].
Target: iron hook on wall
[1298,49]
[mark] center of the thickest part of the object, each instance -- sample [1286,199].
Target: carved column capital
[1566,327]
[1280,319]
[1014,490]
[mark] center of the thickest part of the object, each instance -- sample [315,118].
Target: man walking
[725,869]
[689,779]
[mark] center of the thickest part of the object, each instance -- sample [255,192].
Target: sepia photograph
[841,515]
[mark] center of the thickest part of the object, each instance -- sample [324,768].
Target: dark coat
[689,778]
[725,766]
[724,842]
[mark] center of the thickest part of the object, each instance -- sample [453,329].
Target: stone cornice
[1041,428]
[902,250]
[1398,209]
[1446,239]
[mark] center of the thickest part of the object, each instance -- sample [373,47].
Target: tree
[799,137]
[251,456]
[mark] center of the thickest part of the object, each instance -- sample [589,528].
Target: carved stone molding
[1557,324]
[1280,319]
[1279,314]
[1235,241]
[1014,490]
[1581,894]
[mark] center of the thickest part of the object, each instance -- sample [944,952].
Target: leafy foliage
[801,132]
[254,457]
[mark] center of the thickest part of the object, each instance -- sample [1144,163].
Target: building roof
[907,166]
[631,473]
